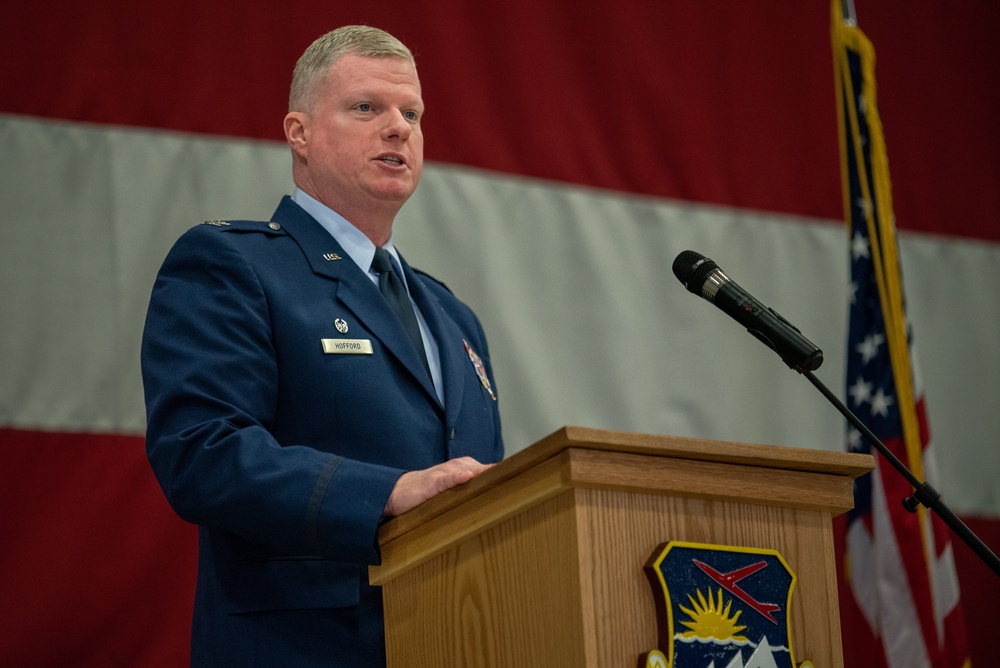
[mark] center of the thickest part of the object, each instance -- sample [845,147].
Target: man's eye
[364,106]
[411,115]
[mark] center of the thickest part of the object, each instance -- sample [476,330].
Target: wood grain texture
[455,525]
[542,563]
[623,530]
[764,456]
[710,479]
[482,605]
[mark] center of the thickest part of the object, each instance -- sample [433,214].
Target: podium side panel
[620,531]
[475,606]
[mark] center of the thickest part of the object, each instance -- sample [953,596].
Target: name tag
[347,346]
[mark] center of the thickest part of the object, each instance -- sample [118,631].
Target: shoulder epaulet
[247,226]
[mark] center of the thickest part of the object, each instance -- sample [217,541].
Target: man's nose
[397,125]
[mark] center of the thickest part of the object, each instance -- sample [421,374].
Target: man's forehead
[355,74]
[355,65]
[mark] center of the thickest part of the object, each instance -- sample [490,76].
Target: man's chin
[396,192]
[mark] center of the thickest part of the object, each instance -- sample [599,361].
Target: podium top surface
[840,464]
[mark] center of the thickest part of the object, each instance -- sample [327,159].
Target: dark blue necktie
[394,291]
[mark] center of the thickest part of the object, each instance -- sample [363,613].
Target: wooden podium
[539,561]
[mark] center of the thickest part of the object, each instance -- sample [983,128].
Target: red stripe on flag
[723,103]
[906,527]
[980,593]
[95,568]
[980,590]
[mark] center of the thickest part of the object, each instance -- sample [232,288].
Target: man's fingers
[415,487]
[457,471]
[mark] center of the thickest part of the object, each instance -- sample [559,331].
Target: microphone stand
[923,493]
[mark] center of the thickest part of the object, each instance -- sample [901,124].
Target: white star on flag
[881,403]
[869,347]
[864,206]
[859,246]
[860,391]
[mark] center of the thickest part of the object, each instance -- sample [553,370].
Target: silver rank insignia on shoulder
[330,257]
[477,364]
[216,223]
[341,325]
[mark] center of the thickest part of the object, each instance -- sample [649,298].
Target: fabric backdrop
[574,149]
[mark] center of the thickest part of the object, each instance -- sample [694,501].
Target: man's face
[364,147]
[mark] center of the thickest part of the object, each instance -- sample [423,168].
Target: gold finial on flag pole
[850,18]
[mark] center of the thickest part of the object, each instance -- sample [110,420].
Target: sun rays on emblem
[708,618]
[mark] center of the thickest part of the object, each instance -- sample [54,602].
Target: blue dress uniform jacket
[285,455]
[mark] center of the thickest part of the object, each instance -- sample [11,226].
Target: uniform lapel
[449,342]
[352,287]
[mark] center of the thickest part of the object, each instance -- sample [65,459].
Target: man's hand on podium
[415,487]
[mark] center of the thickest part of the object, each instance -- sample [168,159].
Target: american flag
[900,567]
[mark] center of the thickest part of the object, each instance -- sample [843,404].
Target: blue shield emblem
[721,607]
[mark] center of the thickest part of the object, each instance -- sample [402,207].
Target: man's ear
[297,132]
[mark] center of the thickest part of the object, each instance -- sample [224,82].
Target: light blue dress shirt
[362,251]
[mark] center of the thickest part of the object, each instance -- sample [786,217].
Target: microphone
[703,277]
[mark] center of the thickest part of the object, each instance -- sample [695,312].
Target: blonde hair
[316,61]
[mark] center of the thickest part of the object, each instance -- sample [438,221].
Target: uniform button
[274,226]
[453,434]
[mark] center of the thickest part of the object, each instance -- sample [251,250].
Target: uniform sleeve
[210,377]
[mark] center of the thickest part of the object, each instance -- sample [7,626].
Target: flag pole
[847,9]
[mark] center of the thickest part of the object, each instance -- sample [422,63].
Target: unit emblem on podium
[721,607]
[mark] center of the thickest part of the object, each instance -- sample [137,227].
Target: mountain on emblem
[721,607]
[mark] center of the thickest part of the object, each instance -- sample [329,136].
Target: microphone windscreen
[692,269]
